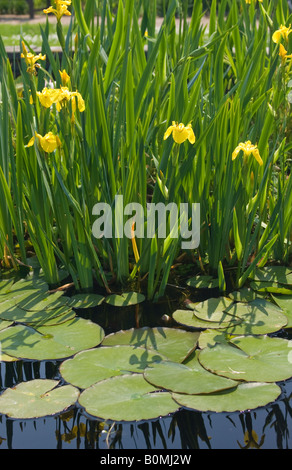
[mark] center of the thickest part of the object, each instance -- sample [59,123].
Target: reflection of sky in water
[269,427]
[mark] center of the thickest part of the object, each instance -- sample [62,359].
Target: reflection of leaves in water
[191,426]
[250,438]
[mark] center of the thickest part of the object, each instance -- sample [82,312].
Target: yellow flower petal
[247,148]
[31,142]
[180,133]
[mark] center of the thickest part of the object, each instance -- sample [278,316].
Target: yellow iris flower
[283,32]
[31,59]
[249,1]
[61,96]
[248,148]
[180,133]
[60,10]
[64,77]
[49,142]
[283,54]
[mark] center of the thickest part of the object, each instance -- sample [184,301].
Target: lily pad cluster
[220,357]
[37,324]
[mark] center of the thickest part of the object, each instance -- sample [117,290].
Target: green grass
[11,34]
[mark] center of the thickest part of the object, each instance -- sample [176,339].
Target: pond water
[267,427]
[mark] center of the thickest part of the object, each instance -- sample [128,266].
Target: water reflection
[266,427]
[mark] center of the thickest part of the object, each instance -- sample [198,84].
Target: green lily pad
[173,343]
[214,309]
[35,300]
[51,342]
[250,358]
[202,282]
[4,324]
[126,398]
[5,285]
[279,274]
[285,303]
[189,379]
[37,398]
[209,338]
[243,295]
[89,367]
[34,283]
[258,317]
[14,313]
[51,319]
[273,287]
[5,358]
[187,318]
[125,299]
[245,396]
[85,300]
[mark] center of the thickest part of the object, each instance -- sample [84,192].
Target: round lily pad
[29,283]
[4,324]
[125,299]
[285,303]
[35,300]
[85,300]
[250,358]
[187,318]
[37,398]
[180,378]
[258,317]
[209,338]
[14,313]
[245,396]
[280,274]
[51,342]
[5,285]
[202,282]
[126,398]
[173,343]
[273,287]
[243,295]
[214,309]
[89,367]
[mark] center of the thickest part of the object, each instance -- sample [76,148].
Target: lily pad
[243,295]
[214,309]
[279,274]
[209,338]
[14,313]
[258,317]
[4,324]
[85,300]
[37,398]
[37,300]
[125,299]
[285,303]
[250,358]
[5,285]
[126,398]
[182,378]
[245,396]
[202,282]
[173,343]
[29,283]
[89,367]
[187,318]
[273,287]
[51,342]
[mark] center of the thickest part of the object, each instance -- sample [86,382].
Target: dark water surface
[267,427]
